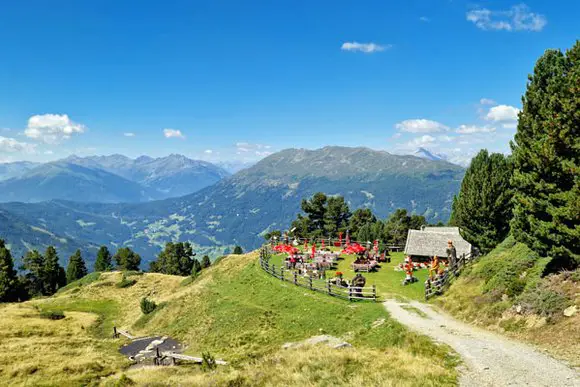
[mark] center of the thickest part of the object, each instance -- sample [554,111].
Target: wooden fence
[350,293]
[442,282]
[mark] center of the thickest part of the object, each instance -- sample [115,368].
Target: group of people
[435,266]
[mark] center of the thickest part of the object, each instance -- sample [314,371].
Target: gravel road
[489,359]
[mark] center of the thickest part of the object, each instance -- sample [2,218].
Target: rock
[570,311]
[519,309]
[378,323]
[330,341]
[505,297]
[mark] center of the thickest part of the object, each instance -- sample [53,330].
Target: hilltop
[234,311]
[239,209]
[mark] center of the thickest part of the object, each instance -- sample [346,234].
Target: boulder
[570,311]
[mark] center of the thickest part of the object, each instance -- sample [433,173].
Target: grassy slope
[240,314]
[490,292]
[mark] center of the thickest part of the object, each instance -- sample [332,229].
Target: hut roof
[433,241]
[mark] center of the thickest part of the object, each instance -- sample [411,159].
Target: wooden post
[329,288]
[295,278]
[349,293]
[274,270]
[282,273]
[310,282]
[115,334]
[374,293]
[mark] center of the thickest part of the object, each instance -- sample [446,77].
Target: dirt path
[489,359]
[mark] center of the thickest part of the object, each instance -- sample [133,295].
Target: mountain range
[106,179]
[239,209]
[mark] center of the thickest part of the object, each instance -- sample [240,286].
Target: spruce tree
[483,208]
[33,281]
[127,259]
[238,250]
[8,277]
[205,262]
[76,268]
[336,216]
[546,157]
[103,262]
[360,218]
[175,259]
[52,273]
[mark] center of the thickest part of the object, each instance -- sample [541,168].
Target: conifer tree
[238,250]
[8,277]
[205,262]
[195,268]
[336,216]
[103,262]
[175,259]
[33,281]
[546,157]
[76,268]
[359,219]
[127,259]
[52,274]
[483,209]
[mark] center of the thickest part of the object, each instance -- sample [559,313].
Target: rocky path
[488,359]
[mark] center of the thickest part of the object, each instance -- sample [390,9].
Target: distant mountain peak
[427,154]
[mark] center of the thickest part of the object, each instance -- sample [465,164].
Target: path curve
[488,358]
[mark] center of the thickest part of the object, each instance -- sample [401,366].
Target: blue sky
[232,80]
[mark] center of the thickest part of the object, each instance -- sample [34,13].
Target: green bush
[52,314]
[208,362]
[544,301]
[147,306]
[125,283]
[124,381]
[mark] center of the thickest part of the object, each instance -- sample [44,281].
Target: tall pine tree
[53,273]
[546,157]
[103,262]
[127,259]
[483,208]
[33,281]
[175,259]
[76,268]
[8,277]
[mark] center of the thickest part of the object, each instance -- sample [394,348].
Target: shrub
[544,301]
[124,381]
[125,283]
[52,314]
[147,306]
[208,362]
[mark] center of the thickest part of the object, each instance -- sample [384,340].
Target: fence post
[115,334]
[274,270]
[349,293]
[282,273]
[374,293]
[329,288]
[310,282]
[295,278]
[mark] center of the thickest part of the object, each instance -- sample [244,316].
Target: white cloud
[502,113]
[396,135]
[517,18]
[471,129]
[424,19]
[173,133]
[208,151]
[52,128]
[10,145]
[367,48]
[48,152]
[487,101]
[421,141]
[258,150]
[421,126]
[129,134]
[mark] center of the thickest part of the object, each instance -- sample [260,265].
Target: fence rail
[442,282]
[350,293]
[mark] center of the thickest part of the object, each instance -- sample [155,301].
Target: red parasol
[322,246]
[313,249]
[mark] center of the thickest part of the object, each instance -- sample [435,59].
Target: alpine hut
[429,241]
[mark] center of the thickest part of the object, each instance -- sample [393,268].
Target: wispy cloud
[259,150]
[471,129]
[424,19]
[367,48]
[173,133]
[11,145]
[420,125]
[129,134]
[517,18]
[208,151]
[487,101]
[52,128]
[501,113]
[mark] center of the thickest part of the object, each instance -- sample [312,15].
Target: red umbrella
[305,244]
[322,246]
[340,238]
[313,249]
[347,239]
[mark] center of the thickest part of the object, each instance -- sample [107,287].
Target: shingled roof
[433,241]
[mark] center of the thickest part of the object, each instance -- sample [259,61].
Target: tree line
[534,193]
[326,216]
